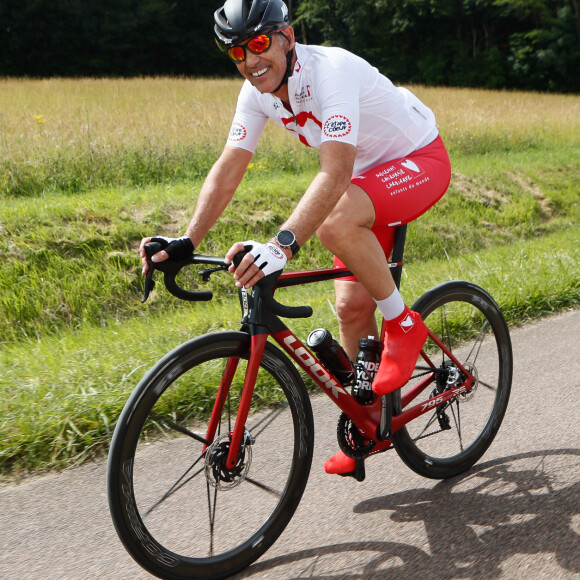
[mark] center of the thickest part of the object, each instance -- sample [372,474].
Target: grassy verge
[88,168]
[71,259]
[60,397]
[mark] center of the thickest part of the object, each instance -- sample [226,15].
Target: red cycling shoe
[339,464]
[406,336]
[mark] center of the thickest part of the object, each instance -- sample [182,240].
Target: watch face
[286,238]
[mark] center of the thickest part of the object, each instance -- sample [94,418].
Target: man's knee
[354,307]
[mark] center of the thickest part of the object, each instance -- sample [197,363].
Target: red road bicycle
[194,498]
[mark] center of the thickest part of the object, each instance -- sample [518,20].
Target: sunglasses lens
[259,44]
[237,53]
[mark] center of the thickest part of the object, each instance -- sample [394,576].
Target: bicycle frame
[267,457]
[260,323]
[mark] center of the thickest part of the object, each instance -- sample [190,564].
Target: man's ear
[291,36]
[288,32]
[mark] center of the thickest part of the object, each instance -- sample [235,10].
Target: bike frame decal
[365,417]
[406,416]
[311,365]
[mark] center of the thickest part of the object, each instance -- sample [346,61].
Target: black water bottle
[332,355]
[367,365]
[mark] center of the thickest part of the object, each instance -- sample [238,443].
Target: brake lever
[148,286]
[150,250]
[170,269]
[206,274]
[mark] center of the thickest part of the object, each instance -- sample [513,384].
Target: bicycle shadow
[474,523]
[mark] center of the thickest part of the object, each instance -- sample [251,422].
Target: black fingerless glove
[176,248]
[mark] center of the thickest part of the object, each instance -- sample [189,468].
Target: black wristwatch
[287,239]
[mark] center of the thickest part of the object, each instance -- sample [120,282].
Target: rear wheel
[451,438]
[180,512]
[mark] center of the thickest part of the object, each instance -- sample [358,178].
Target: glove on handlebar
[268,257]
[176,248]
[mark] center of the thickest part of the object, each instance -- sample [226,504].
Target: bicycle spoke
[265,487]
[180,429]
[457,420]
[267,420]
[429,423]
[176,486]
[211,516]
[478,342]
[487,385]
[444,332]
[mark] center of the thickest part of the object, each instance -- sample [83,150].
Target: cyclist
[382,163]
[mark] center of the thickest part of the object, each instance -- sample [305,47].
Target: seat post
[398,250]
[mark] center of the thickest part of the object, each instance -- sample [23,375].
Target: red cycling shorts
[403,189]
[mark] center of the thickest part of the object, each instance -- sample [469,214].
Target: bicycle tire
[452,438]
[157,508]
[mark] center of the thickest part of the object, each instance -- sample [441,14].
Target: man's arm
[333,179]
[331,182]
[217,191]
[215,195]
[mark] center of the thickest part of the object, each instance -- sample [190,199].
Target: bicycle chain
[353,444]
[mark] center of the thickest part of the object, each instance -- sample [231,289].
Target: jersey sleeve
[249,121]
[338,92]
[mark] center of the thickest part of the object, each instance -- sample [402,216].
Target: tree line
[522,44]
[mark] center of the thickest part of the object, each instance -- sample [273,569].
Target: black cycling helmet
[238,20]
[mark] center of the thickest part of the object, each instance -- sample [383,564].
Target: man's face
[266,70]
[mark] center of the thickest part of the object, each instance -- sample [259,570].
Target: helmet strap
[288,73]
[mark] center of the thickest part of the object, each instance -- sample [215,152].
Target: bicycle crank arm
[386,424]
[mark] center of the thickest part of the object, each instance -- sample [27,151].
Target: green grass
[61,396]
[83,339]
[90,167]
[72,259]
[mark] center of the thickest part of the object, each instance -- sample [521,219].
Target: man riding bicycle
[382,164]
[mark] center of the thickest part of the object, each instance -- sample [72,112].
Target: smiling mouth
[260,72]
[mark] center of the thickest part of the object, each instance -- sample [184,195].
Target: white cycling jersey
[337,96]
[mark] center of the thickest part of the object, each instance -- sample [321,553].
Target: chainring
[350,441]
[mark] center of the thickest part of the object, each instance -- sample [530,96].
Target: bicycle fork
[257,346]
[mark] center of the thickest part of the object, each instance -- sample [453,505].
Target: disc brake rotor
[464,397]
[216,472]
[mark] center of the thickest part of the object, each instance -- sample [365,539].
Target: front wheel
[453,436]
[178,509]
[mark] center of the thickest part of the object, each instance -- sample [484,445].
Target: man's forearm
[217,192]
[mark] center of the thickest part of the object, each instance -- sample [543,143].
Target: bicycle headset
[238,20]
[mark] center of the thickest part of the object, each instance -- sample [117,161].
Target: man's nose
[251,58]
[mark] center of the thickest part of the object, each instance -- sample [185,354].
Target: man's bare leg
[355,310]
[347,234]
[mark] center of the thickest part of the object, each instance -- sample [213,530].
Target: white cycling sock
[392,306]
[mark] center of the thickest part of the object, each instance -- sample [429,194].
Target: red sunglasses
[257,45]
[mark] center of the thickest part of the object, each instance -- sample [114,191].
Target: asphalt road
[516,514]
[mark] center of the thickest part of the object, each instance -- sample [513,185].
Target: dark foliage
[526,44]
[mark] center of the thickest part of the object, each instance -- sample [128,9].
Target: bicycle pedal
[359,472]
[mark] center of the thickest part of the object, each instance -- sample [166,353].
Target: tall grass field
[89,167]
